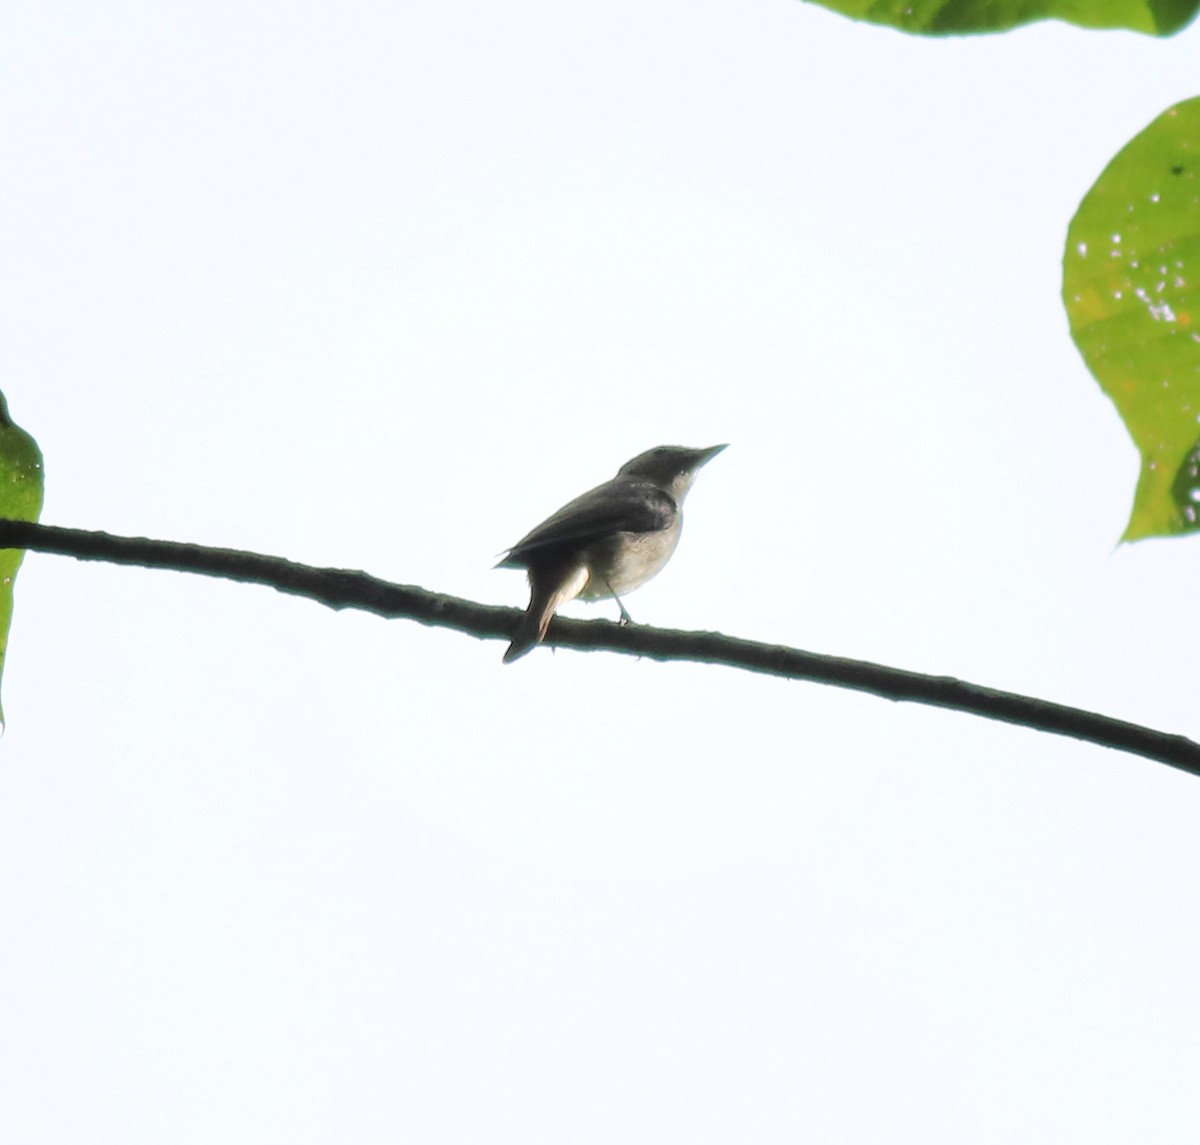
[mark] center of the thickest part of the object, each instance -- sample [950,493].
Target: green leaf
[962,17]
[21,489]
[1131,285]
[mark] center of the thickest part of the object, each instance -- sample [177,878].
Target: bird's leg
[625,617]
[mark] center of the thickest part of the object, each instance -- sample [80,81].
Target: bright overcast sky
[380,285]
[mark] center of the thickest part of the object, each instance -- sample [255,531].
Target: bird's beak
[704,456]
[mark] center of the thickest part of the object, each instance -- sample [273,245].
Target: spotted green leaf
[21,487]
[1131,285]
[962,17]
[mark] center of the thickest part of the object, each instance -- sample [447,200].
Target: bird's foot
[625,617]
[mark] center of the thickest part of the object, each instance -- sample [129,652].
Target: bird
[607,542]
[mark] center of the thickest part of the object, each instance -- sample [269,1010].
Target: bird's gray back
[622,505]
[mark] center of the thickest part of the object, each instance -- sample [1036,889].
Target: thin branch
[343,588]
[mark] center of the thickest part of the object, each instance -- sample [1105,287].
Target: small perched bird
[608,542]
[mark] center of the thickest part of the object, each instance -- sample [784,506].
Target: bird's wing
[619,506]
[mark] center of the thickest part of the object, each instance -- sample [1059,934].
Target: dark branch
[342,588]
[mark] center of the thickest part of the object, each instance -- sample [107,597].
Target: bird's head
[672,467]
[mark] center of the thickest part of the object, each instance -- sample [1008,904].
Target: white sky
[380,285]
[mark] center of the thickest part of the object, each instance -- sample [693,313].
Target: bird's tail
[547,594]
[530,631]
